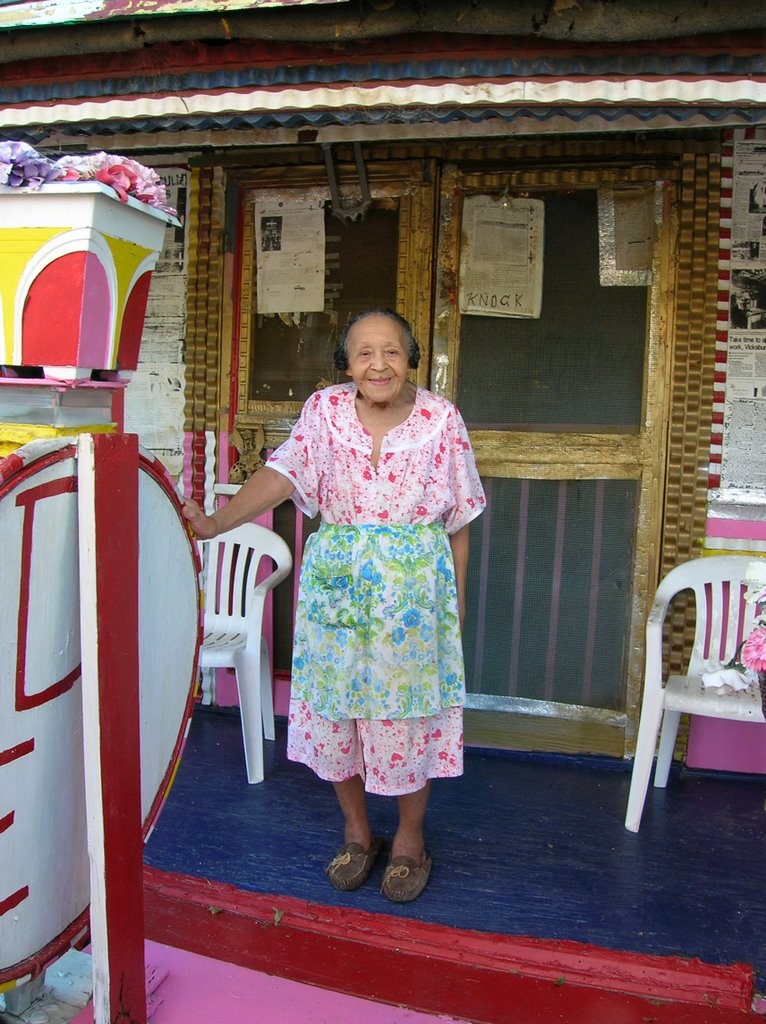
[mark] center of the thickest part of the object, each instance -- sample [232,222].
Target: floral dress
[377,634]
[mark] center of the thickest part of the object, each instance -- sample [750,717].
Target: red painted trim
[14,753]
[235,330]
[479,976]
[14,899]
[28,501]
[36,964]
[115,522]
[175,58]
[118,409]
[198,466]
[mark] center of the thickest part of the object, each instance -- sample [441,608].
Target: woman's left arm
[459,544]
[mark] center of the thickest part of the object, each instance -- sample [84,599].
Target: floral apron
[377,633]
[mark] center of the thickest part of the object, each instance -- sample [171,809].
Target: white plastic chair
[723,620]
[233,618]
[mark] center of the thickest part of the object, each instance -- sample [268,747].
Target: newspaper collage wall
[743,460]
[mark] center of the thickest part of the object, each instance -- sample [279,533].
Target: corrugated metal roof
[660,90]
[46,13]
[441,69]
[596,117]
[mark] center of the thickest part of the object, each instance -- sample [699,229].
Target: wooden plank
[108,537]
[510,731]
[432,968]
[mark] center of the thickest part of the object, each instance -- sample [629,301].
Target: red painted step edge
[437,969]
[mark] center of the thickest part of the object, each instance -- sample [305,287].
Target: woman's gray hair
[340,357]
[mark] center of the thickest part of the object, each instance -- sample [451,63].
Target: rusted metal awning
[46,13]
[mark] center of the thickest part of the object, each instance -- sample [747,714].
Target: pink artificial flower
[126,176]
[119,177]
[754,650]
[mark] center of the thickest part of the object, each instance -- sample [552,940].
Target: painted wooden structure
[75,276]
[97,686]
[47,886]
[467,112]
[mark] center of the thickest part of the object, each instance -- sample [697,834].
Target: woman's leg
[409,840]
[353,804]
[352,864]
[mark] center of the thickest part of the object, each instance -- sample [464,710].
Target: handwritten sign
[501,260]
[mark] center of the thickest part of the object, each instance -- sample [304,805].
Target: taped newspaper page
[290,251]
[501,257]
[743,456]
[743,462]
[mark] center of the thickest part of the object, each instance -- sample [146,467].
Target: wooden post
[108,536]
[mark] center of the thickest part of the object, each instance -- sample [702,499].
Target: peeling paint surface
[45,13]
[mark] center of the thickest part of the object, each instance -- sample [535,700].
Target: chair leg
[249,691]
[651,714]
[667,746]
[267,693]
[207,677]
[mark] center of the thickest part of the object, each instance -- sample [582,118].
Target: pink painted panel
[197,990]
[726,746]
[739,529]
[96,308]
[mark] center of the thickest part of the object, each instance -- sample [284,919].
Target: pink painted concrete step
[193,989]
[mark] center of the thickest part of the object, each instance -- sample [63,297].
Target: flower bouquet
[21,166]
[752,653]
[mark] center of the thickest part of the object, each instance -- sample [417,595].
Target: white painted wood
[210,460]
[91,729]
[44,849]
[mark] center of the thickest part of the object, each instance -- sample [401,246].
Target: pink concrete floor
[194,989]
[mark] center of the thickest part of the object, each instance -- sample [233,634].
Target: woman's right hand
[204,527]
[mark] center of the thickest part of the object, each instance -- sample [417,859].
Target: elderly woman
[377,680]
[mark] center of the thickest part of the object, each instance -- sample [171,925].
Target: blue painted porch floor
[523,845]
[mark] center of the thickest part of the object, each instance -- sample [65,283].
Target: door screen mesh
[579,364]
[549,590]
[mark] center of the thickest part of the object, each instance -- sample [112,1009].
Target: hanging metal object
[347,210]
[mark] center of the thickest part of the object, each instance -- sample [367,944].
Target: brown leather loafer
[352,864]
[404,879]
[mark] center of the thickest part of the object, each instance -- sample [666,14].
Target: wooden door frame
[414,185]
[536,725]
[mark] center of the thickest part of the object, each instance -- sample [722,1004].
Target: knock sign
[44,867]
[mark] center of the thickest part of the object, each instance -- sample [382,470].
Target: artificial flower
[23,166]
[753,653]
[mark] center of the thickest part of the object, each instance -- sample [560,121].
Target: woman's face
[378,360]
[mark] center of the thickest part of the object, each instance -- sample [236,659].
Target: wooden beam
[482,977]
[108,537]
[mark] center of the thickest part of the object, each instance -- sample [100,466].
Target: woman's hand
[265,489]
[204,527]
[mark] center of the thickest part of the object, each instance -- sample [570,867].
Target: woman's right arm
[263,491]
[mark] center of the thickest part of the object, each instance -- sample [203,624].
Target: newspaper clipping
[744,446]
[501,263]
[290,249]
